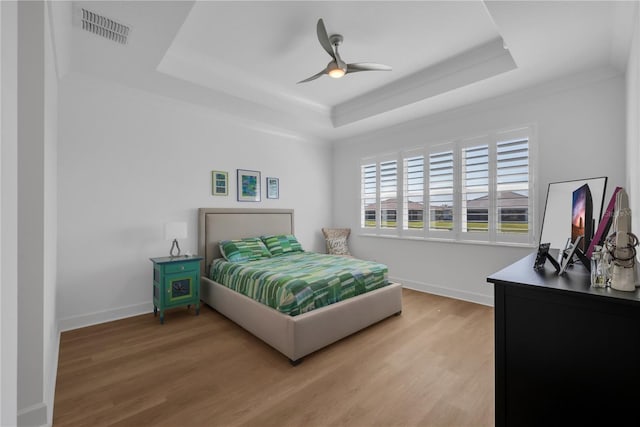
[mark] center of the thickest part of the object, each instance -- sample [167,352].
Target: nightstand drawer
[181,267]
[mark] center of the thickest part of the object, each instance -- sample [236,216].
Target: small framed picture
[248,186]
[273,190]
[219,183]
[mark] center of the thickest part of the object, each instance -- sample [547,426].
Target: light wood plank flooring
[431,366]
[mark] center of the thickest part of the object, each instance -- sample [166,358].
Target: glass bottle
[598,271]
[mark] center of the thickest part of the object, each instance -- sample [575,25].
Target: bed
[294,336]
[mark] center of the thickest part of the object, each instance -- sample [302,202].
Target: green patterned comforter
[300,282]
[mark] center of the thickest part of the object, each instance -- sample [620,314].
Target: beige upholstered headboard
[216,224]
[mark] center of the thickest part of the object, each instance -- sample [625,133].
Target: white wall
[51,333]
[8,213]
[31,410]
[580,133]
[633,124]
[129,161]
[37,206]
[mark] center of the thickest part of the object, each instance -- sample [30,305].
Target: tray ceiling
[244,58]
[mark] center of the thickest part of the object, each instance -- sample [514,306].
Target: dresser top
[577,279]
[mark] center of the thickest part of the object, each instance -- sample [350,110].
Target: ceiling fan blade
[323,38]
[367,66]
[315,76]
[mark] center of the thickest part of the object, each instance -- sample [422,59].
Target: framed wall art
[273,188]
[248,186]
[219,183]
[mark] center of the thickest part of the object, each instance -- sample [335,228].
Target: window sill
[437,240]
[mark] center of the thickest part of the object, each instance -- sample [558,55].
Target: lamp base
[175,245]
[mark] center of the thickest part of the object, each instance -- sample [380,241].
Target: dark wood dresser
[566,354]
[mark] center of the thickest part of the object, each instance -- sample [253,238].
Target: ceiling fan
[337,67]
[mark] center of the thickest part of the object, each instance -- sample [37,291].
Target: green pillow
[241,250]
[282,244]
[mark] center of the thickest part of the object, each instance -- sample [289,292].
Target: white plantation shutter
[368,199]
[413,203]
[441,190]
[472,190]
[475,189]
[388,194]
[512,186]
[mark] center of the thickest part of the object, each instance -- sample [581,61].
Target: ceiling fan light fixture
[336,73]
[335,70]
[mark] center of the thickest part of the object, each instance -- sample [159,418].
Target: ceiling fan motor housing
[335,39]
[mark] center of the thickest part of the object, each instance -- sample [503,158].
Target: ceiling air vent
[103,26]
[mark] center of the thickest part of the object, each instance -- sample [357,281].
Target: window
[512,185]
[441,191]
[469,190]
[388,194]
[379,194]
[413,201]
[369,178]
[475,189]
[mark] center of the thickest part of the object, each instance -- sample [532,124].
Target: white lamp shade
[175,230]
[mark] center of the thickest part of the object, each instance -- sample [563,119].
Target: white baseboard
[34,415]
[53,369]
[75,322]
[445,292]
[41,414]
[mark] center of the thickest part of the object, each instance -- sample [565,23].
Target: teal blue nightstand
[176,282]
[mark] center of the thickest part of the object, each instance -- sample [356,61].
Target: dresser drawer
[180,267]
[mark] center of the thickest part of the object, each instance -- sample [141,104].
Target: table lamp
[174,231]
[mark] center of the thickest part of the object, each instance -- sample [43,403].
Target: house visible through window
[475,189]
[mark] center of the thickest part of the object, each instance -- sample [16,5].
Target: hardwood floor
[431,366]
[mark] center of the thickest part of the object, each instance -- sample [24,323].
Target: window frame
[378,229]
[456,146]
[468,144]
[404,230]
[440,149]
[527,132]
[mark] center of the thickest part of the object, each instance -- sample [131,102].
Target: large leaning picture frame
[248,185]
[556,218]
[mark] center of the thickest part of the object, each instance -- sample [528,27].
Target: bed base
[298,336]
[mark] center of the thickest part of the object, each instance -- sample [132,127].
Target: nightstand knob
[182,267]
